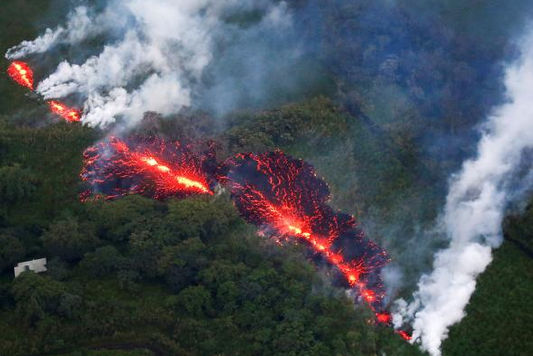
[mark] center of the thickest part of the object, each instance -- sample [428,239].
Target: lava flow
[21,73]
[151,167]
[280,195]
[69,114]
[284,197]
[404,334]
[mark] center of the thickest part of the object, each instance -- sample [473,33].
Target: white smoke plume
[155,60]
[474,211]
[79,27]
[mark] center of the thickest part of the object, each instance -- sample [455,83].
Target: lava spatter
[69,114]
[21,73]
[152,167]
[284,197]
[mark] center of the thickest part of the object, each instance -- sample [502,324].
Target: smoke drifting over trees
[475,207]
[412,83]
[156,54]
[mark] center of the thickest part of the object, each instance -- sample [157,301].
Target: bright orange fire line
[349,272]
[404,335]
[65,112]
[22,72]
[184,181]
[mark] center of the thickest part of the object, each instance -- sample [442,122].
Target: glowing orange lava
[187,183]
[69,114]
[284,197]
[384,318]
[294,227]
[21,73]
[280,195]
[404,335]
[151,167]
[350,270]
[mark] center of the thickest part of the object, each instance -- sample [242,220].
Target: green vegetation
[189,276]
[137,277]
[498,320]
[99,352]
[183,276]
[16,17]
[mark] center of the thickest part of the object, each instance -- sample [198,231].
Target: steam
[79,27]
[474,211]
[155,56]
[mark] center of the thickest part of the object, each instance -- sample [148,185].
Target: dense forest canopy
[383,101]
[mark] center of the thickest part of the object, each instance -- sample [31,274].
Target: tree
[103,261]
[196,300]
[11,250]
[36,296]
[57,269]
[146,250]
[200,216]
[16,183]
[180,264]
[127,277]
[118,219]
[69,305]
[69,240]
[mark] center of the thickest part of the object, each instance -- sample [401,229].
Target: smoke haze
[157,53]
[475,207]
[79,27]
[415,67]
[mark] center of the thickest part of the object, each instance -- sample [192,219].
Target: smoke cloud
[474,210]
[79,27]
[163,56]
[155,54]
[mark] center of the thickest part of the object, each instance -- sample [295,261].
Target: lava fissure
[151,167]
[69,114]
[284,197]
[280,195]
[21,73]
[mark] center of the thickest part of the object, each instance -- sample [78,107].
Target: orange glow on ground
[187,183]
[286,200]
[69,114]
[21,73]
[404,335]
